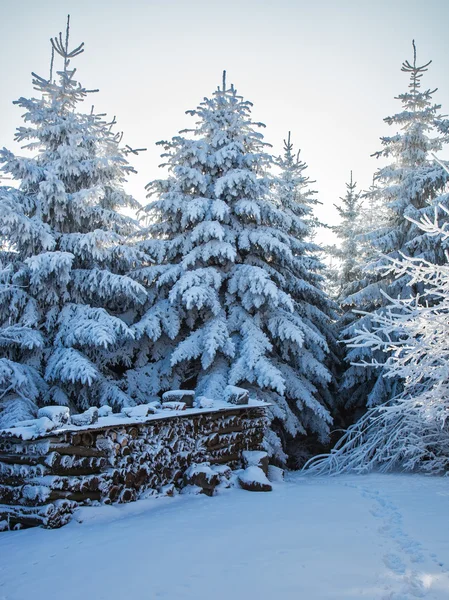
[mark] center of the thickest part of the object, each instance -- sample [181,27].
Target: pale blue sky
[328,71]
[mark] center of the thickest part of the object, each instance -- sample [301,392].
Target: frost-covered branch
[412,430]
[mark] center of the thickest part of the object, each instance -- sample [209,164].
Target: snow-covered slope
[353,537]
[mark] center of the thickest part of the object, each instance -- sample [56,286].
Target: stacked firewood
[43,480]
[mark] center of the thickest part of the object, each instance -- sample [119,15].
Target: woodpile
[43,480]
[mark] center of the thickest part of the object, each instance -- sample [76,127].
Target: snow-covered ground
[372,537]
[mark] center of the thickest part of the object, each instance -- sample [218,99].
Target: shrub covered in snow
[412,430]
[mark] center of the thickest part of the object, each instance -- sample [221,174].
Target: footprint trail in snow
[405,556]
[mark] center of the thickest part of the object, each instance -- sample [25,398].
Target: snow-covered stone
[225,473]
[169,490]
[222,470]
[193,490]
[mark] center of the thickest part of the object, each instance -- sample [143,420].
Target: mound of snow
[60,415]
[275,474]
[256,458]
[174,405]
[105,411]
[185,396]
[141,411]
[236,395]
[253,479]
[203,402]
[89,417]
[33,427]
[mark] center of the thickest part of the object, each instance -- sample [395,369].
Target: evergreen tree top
[412,180]
[73,181]
[292,188]
[415,99]
[224,138]
[71,250]
[351,203]
[417,121]
[291,165]
[230,113]
[348,253]
[67,92]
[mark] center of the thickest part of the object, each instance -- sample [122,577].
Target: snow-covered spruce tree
[20,382]
[411,431]
[407,187]
[292,192]
[343,275]
[348,252]
[331,276]
[221,313]
[66,280]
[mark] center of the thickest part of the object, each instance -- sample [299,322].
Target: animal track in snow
[403,549]
[394,562]
[391,525]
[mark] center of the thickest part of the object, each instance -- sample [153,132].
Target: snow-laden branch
[411,431]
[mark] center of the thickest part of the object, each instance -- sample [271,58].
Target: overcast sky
[326,70]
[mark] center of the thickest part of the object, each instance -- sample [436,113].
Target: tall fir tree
[348,253]
[292,191]
[406,187]
[305,284]
[21,384]
[220,312]
[63,324]
[343,275]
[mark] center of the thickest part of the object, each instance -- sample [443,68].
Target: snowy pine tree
[407,187]
[65,336]
[305,284]
[221,312]
[348,252]
[20,382]
[293,193]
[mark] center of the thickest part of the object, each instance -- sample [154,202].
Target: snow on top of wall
[103,417]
